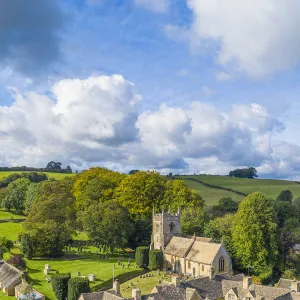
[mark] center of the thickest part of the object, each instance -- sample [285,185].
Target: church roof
[203,252]
[178,246]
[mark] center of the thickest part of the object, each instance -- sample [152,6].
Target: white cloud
[95,122]
[252,36]
[158,6]
[222,76]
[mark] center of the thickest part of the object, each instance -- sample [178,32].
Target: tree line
[55,167]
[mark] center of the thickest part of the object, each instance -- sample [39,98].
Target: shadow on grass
[105,285]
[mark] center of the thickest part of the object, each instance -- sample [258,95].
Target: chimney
[247,281]
[295,286]
[116,287]
[136,294]
[176,280]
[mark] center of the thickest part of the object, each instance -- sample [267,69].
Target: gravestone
[92,277]
[46,269]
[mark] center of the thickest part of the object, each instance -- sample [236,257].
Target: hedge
[76,286]
[156,259]
[59,283]
[142,257]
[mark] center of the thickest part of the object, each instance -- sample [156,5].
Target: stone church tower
[164,227]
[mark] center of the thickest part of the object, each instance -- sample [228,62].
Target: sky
[181,86]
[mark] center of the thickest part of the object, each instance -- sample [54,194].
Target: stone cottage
[9,278]
[193,255]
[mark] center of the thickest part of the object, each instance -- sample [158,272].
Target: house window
[231,297]
[189,265]
[202,268]
[221,264]
[172,260]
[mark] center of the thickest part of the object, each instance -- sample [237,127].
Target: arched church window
[172,226]
[221,264]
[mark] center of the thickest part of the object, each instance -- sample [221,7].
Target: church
[189,255]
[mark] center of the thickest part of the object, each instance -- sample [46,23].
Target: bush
[18,262]
[156,259]
[59,283]
[76,286]
[142,257]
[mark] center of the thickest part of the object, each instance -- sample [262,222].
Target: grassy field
[270,187]
[57,176]
[144,284]
[10,230]
[211,195]
[73,263]
[5,215]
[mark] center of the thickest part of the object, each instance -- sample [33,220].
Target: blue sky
[183,85]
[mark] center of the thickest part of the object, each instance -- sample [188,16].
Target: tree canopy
[254,233]
[244,173]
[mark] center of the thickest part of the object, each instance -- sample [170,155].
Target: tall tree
[141,192]
[254,233]
[286,196]
[52,218]
[107,224]
[16,195]
[95,185]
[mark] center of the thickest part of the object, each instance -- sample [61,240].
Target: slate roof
[203,252]
[167,292]
[22,287]
[178,246]
[101,296]
[9,275]
[284,283]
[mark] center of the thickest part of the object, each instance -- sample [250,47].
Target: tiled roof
[203,252]
[101,296]
[178,246]
[9,275]
[167,292]
[285,283]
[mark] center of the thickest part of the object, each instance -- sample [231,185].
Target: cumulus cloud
[158,6]
[251,36]
[97,114]
[95,121]
[29,34]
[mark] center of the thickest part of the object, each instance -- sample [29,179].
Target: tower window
[172,226]
[221,264]
[202,268]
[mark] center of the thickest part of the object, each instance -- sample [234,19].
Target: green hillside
[57,176]
[211,195]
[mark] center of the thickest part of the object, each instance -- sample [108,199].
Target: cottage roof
[23,287]
[284,283]
[166,292]
[9,275]
[101,296]
[178,246]
[203,252]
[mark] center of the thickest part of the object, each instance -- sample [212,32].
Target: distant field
[270,187]
[211,195]
[10,230]
[57,176]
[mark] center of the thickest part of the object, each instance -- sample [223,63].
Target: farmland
[210,194]
[57,176]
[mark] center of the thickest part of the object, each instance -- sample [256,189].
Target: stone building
[9,278]
[196,256]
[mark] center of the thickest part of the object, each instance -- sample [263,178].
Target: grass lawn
[4,297]
[84,263]
[270,187]
[10,230]
[144,284]
[211,195]
[5,215]
[57,176]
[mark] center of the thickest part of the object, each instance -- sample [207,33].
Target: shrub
[76,286]
[18,262]
[59,283]
[142,257]
[156,259]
